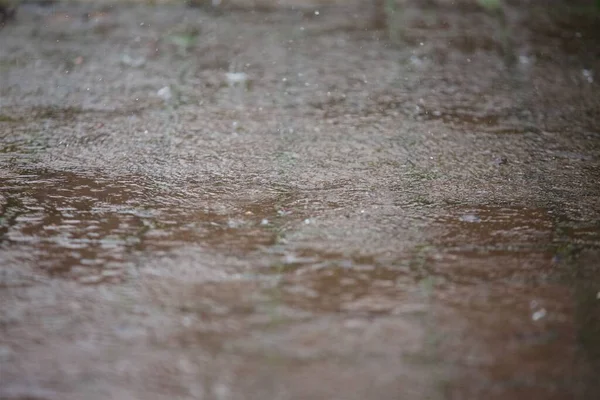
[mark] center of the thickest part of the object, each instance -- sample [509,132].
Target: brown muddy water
[302,200]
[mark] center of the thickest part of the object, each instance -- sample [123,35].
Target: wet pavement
[316,200]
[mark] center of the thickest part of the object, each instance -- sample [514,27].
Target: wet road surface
[278,204]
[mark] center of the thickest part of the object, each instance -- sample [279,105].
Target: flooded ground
[311,200]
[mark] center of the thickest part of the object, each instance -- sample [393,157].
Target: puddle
[509,245]
[496,227]
[480,121]
[500,271]
[94,228]
[353,291]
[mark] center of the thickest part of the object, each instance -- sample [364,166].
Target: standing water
[301,200]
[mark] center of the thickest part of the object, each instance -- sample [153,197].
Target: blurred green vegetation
[490,5]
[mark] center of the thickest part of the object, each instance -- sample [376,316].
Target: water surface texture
[300,200]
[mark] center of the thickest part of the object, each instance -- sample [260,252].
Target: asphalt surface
[299,202]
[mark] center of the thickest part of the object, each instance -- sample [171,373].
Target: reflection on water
[469,119]
[496,226]
[497,270]
[350,287]
[90,227]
